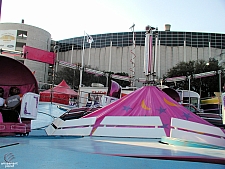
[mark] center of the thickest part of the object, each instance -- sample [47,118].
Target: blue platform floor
[38,151]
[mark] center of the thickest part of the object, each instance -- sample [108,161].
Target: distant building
[117,49]
[13,36]
[173,47]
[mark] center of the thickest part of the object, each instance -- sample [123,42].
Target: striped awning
[69,65]
[125,78]
[196,76]
[205,74]
[174,79]
[92,71]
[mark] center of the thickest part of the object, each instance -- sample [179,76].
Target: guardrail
[191,131]
[75,127]
[131,126]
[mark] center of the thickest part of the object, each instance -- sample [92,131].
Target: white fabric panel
[75,127]
[192,126]
[188,136]
[49,130]
[132,120]
[73,132]
[29,105]
[78,122]
[130,132]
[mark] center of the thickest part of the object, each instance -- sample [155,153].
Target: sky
[65,19]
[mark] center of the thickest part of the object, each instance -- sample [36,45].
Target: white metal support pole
[156,45]
[110,64]
[185,58]
[189,89]
[71,58]
[159,73]
[54,70]
[56,50]
[150,53]
[82,62]
[71,61]
[89,57]
[210,54]
[200,91]
[133,58]
[110,56]
[219,72]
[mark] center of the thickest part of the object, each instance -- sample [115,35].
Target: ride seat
[11,114]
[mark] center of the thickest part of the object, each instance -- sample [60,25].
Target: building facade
[20,34]
[114,51]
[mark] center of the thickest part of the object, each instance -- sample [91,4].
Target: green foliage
[72,78]
[122,82]
[205,84]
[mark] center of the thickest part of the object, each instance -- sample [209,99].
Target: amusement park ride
[17,120]
[147,112]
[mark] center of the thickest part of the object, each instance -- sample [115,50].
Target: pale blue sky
[70,18]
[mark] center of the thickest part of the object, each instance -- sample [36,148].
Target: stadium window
[21,34]
[20,44]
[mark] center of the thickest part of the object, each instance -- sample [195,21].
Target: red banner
[38,55]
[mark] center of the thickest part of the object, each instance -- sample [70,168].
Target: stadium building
[117,49]
[117,53]
[13,36]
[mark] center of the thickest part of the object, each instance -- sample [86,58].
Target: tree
[72,77]
[205,84]
[69,75]
[120,82]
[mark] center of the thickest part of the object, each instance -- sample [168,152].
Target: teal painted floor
[38,151]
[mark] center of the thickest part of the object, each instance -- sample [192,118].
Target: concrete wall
[168,56]
[37,38]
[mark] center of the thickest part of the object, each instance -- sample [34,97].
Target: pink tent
[60,94]
[147,101]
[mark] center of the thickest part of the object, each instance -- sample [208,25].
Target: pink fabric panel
[1,119]
[14,73]
[147,101]
[23,89]
[38,55]
[115,90]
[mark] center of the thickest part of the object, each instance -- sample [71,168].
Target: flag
[89,39]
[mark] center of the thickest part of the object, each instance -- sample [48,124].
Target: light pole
[200,92]
[133,59]
[220,63]
[189,89]
[219,72]
[54,69]
[148,54]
